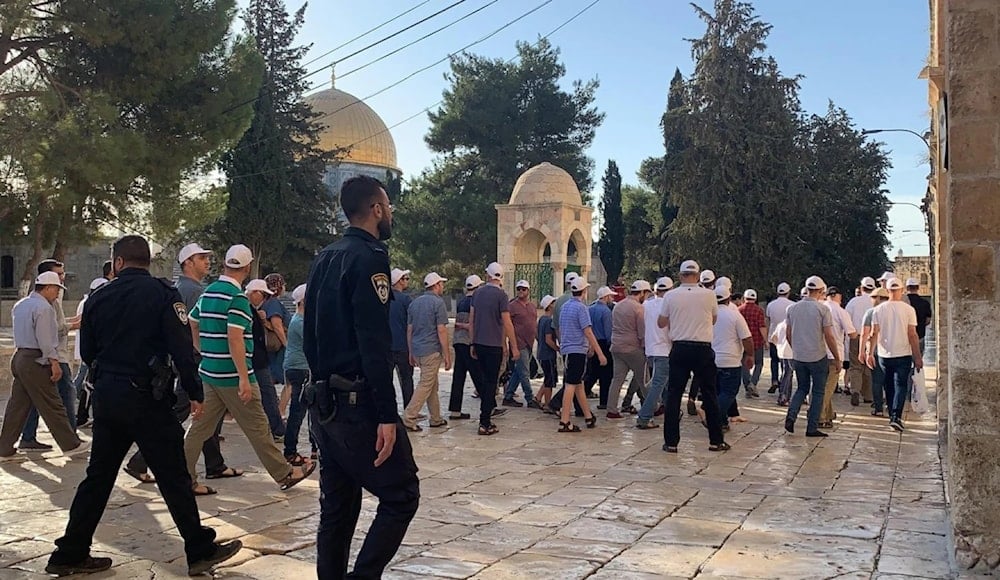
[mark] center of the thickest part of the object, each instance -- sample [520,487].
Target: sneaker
[222,553]
[772,390]
[34,446]
[459,416]
[751,393]
[790,425]
[645,425]
[602,407]
[512,403]
[88,565]
[878,413]
[533,404]
[497,411]
[855,399]
[896,424]
[591,395]
[816,434]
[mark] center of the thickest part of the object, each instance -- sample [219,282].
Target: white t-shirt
[657,342]
[727,338]
[777,311]
[842,327]
[780,339]
[893,320]
[857,308]
[690,309]
[76,343]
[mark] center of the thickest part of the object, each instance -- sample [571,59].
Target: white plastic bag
[918,394]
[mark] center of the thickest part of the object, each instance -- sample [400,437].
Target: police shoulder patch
[181,311]
[381,283]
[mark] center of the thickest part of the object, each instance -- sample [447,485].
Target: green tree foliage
[498,119]
[611,245]
[641,207]
[278,205]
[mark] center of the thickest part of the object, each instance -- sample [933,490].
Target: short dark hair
[133,249]
[106,268]
[357,194]
[49,265]
[577,292]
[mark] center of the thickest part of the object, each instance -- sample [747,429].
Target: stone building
[963,73]
[544,231]
[917,267]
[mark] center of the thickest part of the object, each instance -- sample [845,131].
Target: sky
[863,55]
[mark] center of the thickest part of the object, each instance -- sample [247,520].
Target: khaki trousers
[624,362]
[251,419]
[859,374]
[33,386]
[426,390]
[831,385]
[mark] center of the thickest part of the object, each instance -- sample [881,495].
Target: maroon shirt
[525,319]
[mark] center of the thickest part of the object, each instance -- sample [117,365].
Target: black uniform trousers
[464,364]
[600,375]
[687,359]
[124,415]
[347,454]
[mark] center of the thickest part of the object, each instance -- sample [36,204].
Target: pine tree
[278,205]
[611,245]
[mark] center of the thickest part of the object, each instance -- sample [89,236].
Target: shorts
[550,372]
[576,368]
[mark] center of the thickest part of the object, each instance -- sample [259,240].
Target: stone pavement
[532,503]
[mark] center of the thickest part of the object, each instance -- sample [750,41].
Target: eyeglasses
[522,288]
[388,206]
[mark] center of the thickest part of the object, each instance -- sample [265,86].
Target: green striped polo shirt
[223,305]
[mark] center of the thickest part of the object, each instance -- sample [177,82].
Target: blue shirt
[545,352]
[273,307]
[573,318]
[35,326]
[425,314]
[295,358]
[398,307]
[600,314]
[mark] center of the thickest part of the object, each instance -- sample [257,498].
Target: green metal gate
[539,277]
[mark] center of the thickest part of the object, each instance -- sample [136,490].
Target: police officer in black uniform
[134,327]
[352,401]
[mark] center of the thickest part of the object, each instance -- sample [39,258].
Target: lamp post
[911,132]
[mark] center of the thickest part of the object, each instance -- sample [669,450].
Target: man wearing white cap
[524,318]
[398,308]
[757,322]
[775,315]
[548,347]
[427,339]
[921,305]
[491,334]
[628,349]
[858,373]
[657,349]
[195,263]
[464,363]
[707,279]
[576,338]
[259,293]
[563,299]
[688,313]
[732,342]
[810,332]
[36,369]
[83,388]
[894,339]
[600,317]
[883,280]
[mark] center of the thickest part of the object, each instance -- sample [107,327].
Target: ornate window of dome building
[362,140]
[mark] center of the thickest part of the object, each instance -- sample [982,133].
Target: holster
[318,396]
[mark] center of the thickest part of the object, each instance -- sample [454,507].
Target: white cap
[868,283]
[578,284]
[721,293]
[397,274]
[894,284]
[190,250]
[547,300]
[640,286]
[494,271]
[432,279]
[804,292]
[259,284]
[664,283]
[912,282]
[239,256]
[750,294]
[570,276]
[299,294]
[815,283]
[689,267]
[97,283]
[707,276]
[784,288]
[473,282]
[604,291]
[49,279]
[522,284]
[723,281]
[886,276]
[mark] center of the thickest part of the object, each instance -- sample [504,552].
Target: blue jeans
[751,379]
[812,379]
[520,374]
[897,383]
[728,383]
[296,410]
[269,400]
[655,388]
[68,395]
[277,365]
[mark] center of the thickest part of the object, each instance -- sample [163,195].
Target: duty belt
[692,343]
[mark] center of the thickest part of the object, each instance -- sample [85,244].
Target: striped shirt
[222,306]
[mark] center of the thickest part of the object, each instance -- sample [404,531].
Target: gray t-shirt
[425,314]
[488,304]
[191,290]
[807,319]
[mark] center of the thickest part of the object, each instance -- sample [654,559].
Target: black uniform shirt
[347,316]
[134,317]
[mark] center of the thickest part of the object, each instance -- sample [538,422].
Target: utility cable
[364,34]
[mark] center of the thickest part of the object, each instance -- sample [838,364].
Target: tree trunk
[62,235]
[28,275]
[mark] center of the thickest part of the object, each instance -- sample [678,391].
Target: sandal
[291,481]
[568,428]
[208,491]
[488,430]
[414,429]
[295,460]
[646,425]
[591,422]
[225,473]
[720,447]
[142,476]
[441,423]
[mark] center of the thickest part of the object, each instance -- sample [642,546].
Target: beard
[385,229]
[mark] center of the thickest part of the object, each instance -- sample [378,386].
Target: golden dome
[545,183]
[350,123]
